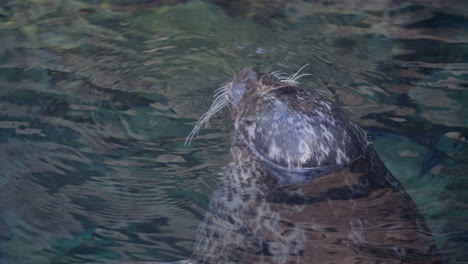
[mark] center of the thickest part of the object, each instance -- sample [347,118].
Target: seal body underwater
[304,185]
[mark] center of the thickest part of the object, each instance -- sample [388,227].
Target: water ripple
[97,97]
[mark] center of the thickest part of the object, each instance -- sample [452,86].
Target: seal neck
[291,176]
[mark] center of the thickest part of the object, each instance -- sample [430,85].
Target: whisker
[222,87]
[219,95]
[275,72]
[261,84]
[292,79]
[295,74]
[201,122]
[300,76]
[280,75]
[220,101]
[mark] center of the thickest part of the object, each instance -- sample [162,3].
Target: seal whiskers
[292,79]
[219,102]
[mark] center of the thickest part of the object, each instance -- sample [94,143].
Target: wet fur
[338,204]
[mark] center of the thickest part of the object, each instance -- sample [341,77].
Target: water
[97,98]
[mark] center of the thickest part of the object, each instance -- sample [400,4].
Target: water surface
[97,97]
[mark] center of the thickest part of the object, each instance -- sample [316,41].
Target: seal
[304,185]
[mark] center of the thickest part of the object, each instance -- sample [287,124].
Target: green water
[97,97]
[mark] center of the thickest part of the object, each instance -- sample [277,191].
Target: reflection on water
[97,97]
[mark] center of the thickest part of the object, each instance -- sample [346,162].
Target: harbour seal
[304,185]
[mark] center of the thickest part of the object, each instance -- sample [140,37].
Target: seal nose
[240,84]
[249,74]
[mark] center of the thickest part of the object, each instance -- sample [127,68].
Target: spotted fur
[304,185]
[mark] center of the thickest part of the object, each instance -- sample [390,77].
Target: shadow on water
[97,97]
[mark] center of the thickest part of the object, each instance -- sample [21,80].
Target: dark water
[97,97]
